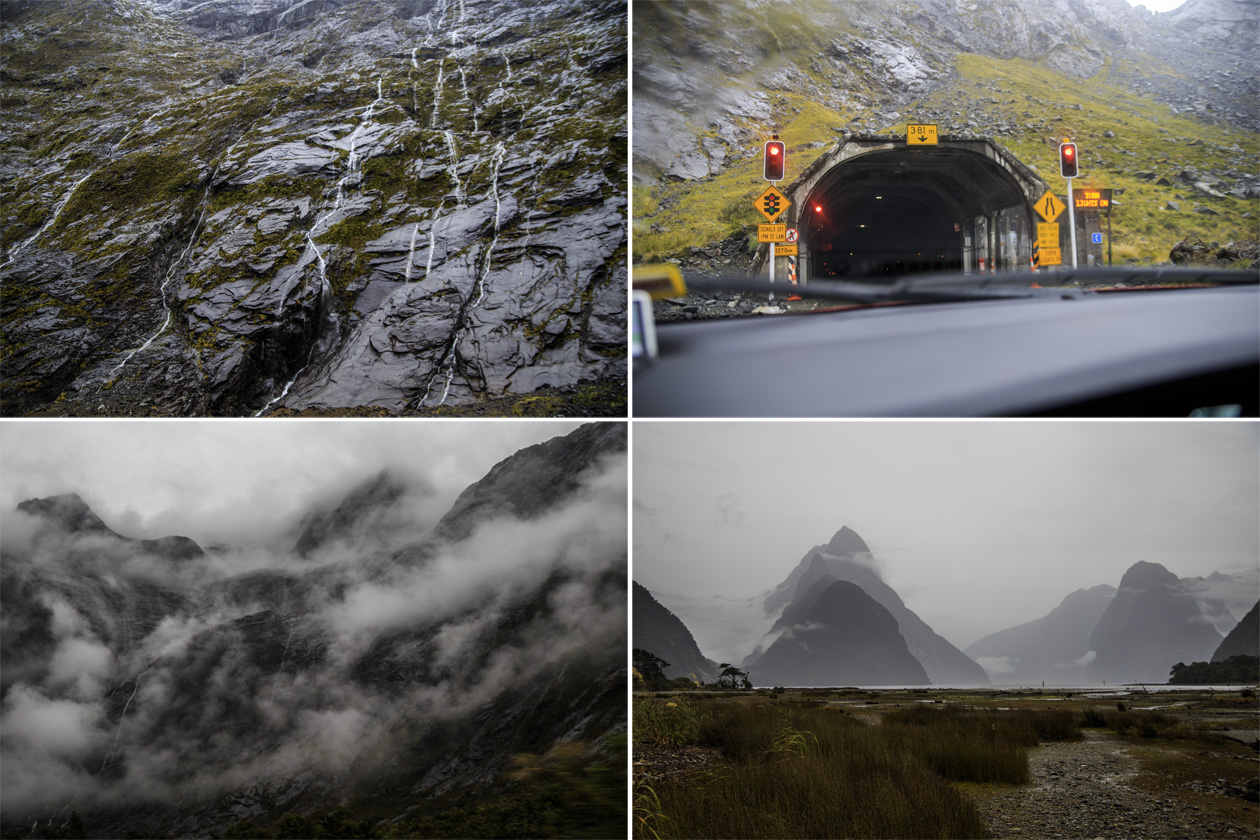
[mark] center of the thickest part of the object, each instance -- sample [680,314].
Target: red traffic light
[1067,160]
[775,156]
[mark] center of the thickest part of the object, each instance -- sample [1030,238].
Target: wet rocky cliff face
[241,206]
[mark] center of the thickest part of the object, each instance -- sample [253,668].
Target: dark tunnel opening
[894,211]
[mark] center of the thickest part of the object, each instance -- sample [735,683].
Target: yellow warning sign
[771,233]
[772,203]
[1048,232]
[786,250]
[1051,256]
[921,135]
[1049,206]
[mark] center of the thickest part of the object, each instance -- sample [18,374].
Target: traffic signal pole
[1072,219]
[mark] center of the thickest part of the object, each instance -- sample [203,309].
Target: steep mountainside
[1153,623]
[1165,107]
[661,633]
[835,634]
[156,695]
[1243,640]
[236,207]
[847,557]
[1054,648]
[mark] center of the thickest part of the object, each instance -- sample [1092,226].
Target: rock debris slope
[164,694]
[237,206]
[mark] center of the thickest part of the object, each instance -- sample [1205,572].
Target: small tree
[651,668]
[732,677]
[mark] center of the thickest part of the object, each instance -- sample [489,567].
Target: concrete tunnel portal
[876,208]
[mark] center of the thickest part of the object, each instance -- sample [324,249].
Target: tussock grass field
[852,763]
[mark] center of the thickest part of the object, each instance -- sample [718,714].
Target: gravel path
[1080,790]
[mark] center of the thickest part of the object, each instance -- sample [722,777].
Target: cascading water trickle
[478,293]
[329,323]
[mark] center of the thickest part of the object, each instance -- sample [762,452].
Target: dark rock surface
[243,206]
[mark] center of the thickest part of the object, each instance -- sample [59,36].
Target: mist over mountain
[158,690]
[235,207]
[663,634]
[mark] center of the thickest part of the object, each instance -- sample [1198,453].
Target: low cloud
[269,666]
[996,666]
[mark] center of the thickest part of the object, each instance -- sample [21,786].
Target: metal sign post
[771,271]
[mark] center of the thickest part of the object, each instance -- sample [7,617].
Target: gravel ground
[1081,790]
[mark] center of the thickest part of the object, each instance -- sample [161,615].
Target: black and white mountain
[846,557]
[663,634]
[1053,649]
[1153,623]
[153,690]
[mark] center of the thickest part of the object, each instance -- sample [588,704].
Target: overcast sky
[979,526]
[239,481]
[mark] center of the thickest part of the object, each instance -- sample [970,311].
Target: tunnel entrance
[875,208]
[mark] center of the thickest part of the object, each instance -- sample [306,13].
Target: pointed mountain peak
[67,511]
[1145,575]
[847,542]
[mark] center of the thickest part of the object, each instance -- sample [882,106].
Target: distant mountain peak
[1146,575]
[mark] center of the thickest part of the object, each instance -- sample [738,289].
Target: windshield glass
[871,142]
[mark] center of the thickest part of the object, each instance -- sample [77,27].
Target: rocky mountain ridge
[238,207]
[183,700]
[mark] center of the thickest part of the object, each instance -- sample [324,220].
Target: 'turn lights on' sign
[1091,199]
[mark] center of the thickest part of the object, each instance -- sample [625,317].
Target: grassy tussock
[802,772]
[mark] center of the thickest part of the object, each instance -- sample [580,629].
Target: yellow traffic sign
[771,233]
[1048,232]
[772,203]
[921,135]
[1049,206]
[786,250]
[1051,256]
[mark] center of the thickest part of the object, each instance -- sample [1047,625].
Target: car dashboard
[1134,353]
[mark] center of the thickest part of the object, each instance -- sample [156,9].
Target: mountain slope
[1243,640]
[408,668]
[1153,623]
[1054,648]
[663,634]
[227,208]
[835,634]
[847,557]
